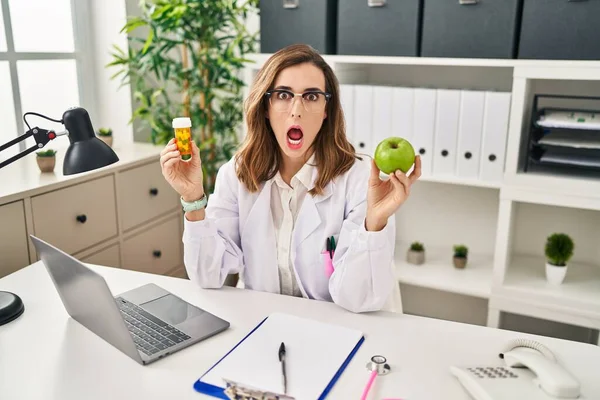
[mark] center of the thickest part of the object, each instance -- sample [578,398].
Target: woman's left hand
[385,197]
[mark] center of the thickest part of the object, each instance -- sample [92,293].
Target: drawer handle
[153,192]
[156,253]
[468,155]
[290,4]
[376,3]
[492,157]
[467,2]
[81,218]
[444,153]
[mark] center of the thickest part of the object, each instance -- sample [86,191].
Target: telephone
[530,372]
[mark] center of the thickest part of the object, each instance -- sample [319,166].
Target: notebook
[316,355]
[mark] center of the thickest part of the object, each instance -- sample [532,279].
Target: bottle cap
[182,122]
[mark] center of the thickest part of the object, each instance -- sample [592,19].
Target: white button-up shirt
[286,201]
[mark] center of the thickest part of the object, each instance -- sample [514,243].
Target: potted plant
[185,58]
[559,250]
[416,253]
[46,159]
[105,134]
[461,253]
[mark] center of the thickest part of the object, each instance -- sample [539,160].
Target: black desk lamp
[85,153]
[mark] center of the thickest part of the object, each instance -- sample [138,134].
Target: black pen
[282,360]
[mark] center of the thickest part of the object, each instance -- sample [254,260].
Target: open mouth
[294,137]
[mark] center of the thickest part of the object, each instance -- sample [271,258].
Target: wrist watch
[194,205]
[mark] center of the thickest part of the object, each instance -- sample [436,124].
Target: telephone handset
[530,372]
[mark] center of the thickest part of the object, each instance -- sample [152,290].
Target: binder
[382,115]
[424,127]
[317,353]
[347,102]
[495,131]
[363,106]
[403,112]
[470,125]
[446,131]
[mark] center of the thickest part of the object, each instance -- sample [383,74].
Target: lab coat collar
[308,213]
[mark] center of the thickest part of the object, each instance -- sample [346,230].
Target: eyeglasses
[281,100]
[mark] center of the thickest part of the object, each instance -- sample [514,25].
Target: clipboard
[234,377]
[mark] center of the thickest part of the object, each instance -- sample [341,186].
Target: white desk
[44,354]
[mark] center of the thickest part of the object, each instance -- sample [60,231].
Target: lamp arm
[41,136]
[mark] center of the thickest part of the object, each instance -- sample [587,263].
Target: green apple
[394,153]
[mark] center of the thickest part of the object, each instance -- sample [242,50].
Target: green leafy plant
[186,58]
[417,246]
[104,132]
[559,249]
[461,251]
[46,153]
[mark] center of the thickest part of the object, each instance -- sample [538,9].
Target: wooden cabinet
[156,250]
[109,257]
[124,215]
[144,194]
[76,217]
[13,238]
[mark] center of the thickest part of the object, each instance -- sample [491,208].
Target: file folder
[495,131]
[403,112]
[382,114]
[470,125]
[347,102]
[363,119]
[424,127]
[316,355]
[446,132]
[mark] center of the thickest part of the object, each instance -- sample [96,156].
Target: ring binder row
[238,391]
[458,133]
[564,139]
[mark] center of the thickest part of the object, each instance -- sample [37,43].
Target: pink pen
[328,263]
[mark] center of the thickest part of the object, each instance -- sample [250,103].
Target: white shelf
[580,292]
[446,61]
[455,180]
[439,273]
[559,198]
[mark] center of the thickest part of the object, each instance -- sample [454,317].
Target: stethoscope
[378,366]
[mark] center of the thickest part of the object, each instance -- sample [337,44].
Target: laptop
[146,323]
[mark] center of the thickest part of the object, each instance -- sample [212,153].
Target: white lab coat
[237,236]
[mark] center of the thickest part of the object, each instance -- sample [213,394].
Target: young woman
[295,182]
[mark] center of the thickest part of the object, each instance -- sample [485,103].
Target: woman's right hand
[184,176]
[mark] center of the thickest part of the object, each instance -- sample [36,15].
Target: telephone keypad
[492,372]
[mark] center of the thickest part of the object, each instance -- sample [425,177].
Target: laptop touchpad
[172,309]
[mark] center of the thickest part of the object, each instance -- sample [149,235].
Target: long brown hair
[259,157]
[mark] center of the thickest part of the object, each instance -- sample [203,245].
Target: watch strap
[194,205]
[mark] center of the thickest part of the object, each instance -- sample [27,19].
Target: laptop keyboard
[149,333]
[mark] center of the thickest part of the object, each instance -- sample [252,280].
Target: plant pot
[106,139]
[46,164]
[555,274]
[459,262]
[415,257]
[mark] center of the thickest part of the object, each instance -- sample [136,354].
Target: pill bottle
[183,136]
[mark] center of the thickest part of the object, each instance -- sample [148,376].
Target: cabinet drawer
[178,272]
[285,22]
[156,250]
[560,30]
[472,29]
[76,217]
[13,238]
[108,257]
[144,194]
[377,28]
